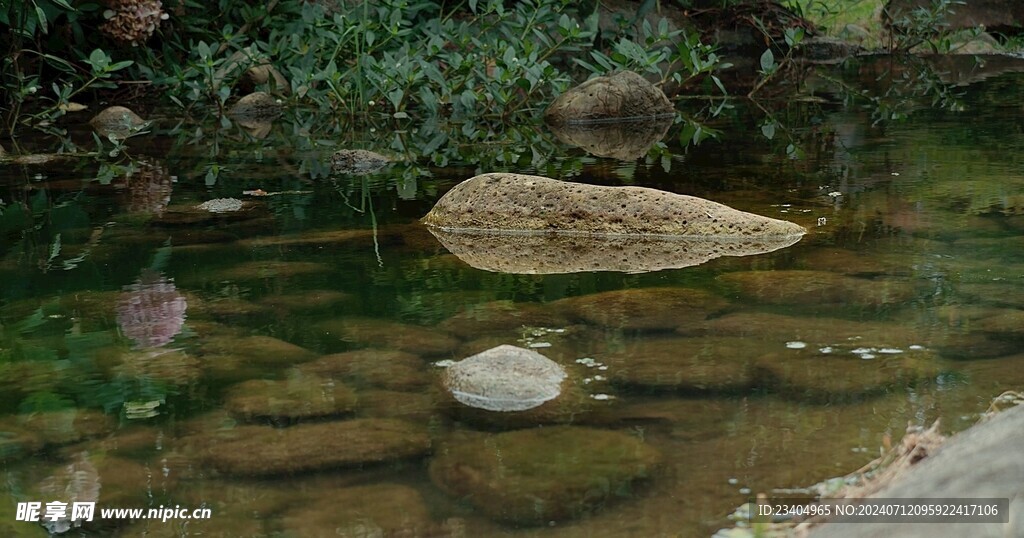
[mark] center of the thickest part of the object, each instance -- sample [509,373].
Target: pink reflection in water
[150,311]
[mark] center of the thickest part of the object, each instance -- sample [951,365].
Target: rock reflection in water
[537,253]
[505,379]
[624,140]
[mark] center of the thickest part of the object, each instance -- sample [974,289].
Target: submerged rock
[505,378]
[687,364]
[518,203]
[623,95]
[576,253]
[389,334]
[260,269]
[262,350]
[294,398]
[643,308]
[263,450]
[795,287]
[626,140]
[501,317]
[543,474]
[364,511]
[383,368]
[56,428]
[811,375]
[117,122]
[357,161]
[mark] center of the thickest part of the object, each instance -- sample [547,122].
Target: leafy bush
[482,59]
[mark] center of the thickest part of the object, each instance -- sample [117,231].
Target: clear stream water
[134,326]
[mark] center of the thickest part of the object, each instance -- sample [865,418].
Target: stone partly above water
[642,308]
[117,122]
[546,474]
[505,379]
[502,202]
[516,223]
[537,253]
[624,95]
[357,161]
[263,450]
[624,140]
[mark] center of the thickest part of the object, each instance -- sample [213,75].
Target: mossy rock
[260,350]
[720,364]
[306,301]
[815,332]
[357,161]
[257,270]
[370,510]
[301,396]
[56,428]
[264,450]
[389,334]
[812,376]
[536,253]
[256,106]
[117,122]
[415,406]
[501,317]
[382,368]
[796,287]
[518,203]
[544,474]
[623,95]
[16,441]
[643,308]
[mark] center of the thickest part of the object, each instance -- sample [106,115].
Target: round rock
[624,95]
[505,378]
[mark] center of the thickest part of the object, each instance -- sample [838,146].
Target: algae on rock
[545,474]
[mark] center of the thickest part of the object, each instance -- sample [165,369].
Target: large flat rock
[520,203]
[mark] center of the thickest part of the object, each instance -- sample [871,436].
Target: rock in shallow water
[811,288]
[505,378]
[263,450]
[299,397]
[575,253]
[519,203]
[543,474]
[643,308]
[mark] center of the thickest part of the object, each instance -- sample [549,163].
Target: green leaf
[767,61]
[118,66]
[99,60]
[768,130]
[41,15]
